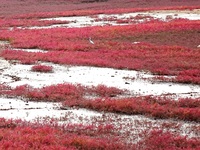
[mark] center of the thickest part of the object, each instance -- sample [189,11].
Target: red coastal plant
[60,92]
[77,95]
[160,140]
[183,109]
[42,68]
[15,134]
[22,136]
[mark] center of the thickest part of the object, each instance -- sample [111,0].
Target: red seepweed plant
[103,99]
[14,23]
[21,135]
[42,68]
[183,109]
[164,48]
[61,92]
[16,134]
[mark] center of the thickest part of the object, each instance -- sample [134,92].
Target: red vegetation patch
[103,91]
[107,38]
[183,109]
[60,92]
[158,139]
[28,22]
[77,7]
[42,68]
[158,60]
[76,95]
[164,48]
[186,77]
[189,76]
[114,47]
[34,136]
